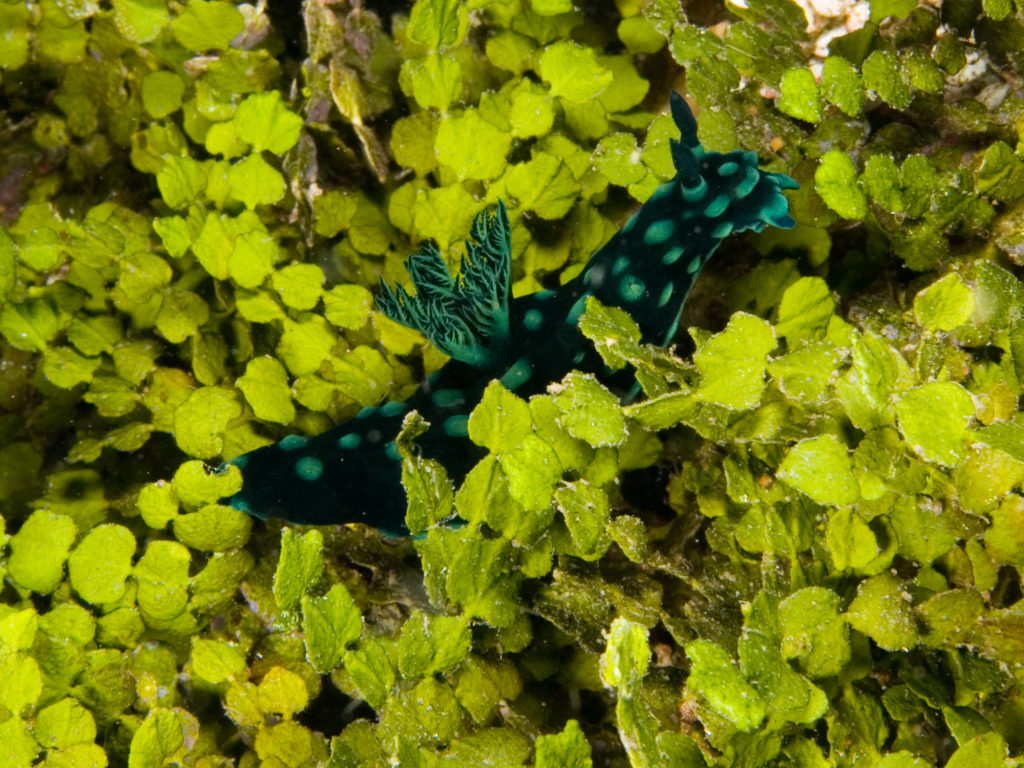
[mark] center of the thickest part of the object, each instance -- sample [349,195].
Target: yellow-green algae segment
[820,564]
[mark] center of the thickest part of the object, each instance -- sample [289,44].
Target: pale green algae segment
[844,456]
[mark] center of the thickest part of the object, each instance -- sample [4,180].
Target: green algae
[190,243]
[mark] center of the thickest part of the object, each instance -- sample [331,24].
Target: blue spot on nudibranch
[392,408]
[659,231]
[365,412]
[594,277]
[292,442]
[518,374]
[620,265]
[750,178]
[662,190]
[717,206]
[309,468]
[350,441]
[533,319]
[672,256]
[241,505]
[631,223]
[456,426]
[632,288]
[448,398]
[728,169]
[695,193]
[578,358]
[694,266]
[391,451]
[776,208]
[547,293]
[723,230]
[577,310]
[666,294]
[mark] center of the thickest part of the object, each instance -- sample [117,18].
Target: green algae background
[802,547]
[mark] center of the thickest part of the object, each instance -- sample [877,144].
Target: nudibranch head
[729,190]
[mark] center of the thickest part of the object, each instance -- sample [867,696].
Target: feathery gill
[352,473]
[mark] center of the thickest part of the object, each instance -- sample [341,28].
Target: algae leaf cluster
[802,546]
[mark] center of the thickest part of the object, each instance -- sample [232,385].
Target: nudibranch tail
[466,317]
[343,475]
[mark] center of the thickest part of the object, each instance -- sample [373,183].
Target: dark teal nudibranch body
[352,473]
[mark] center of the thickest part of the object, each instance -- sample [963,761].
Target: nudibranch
[352,472]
